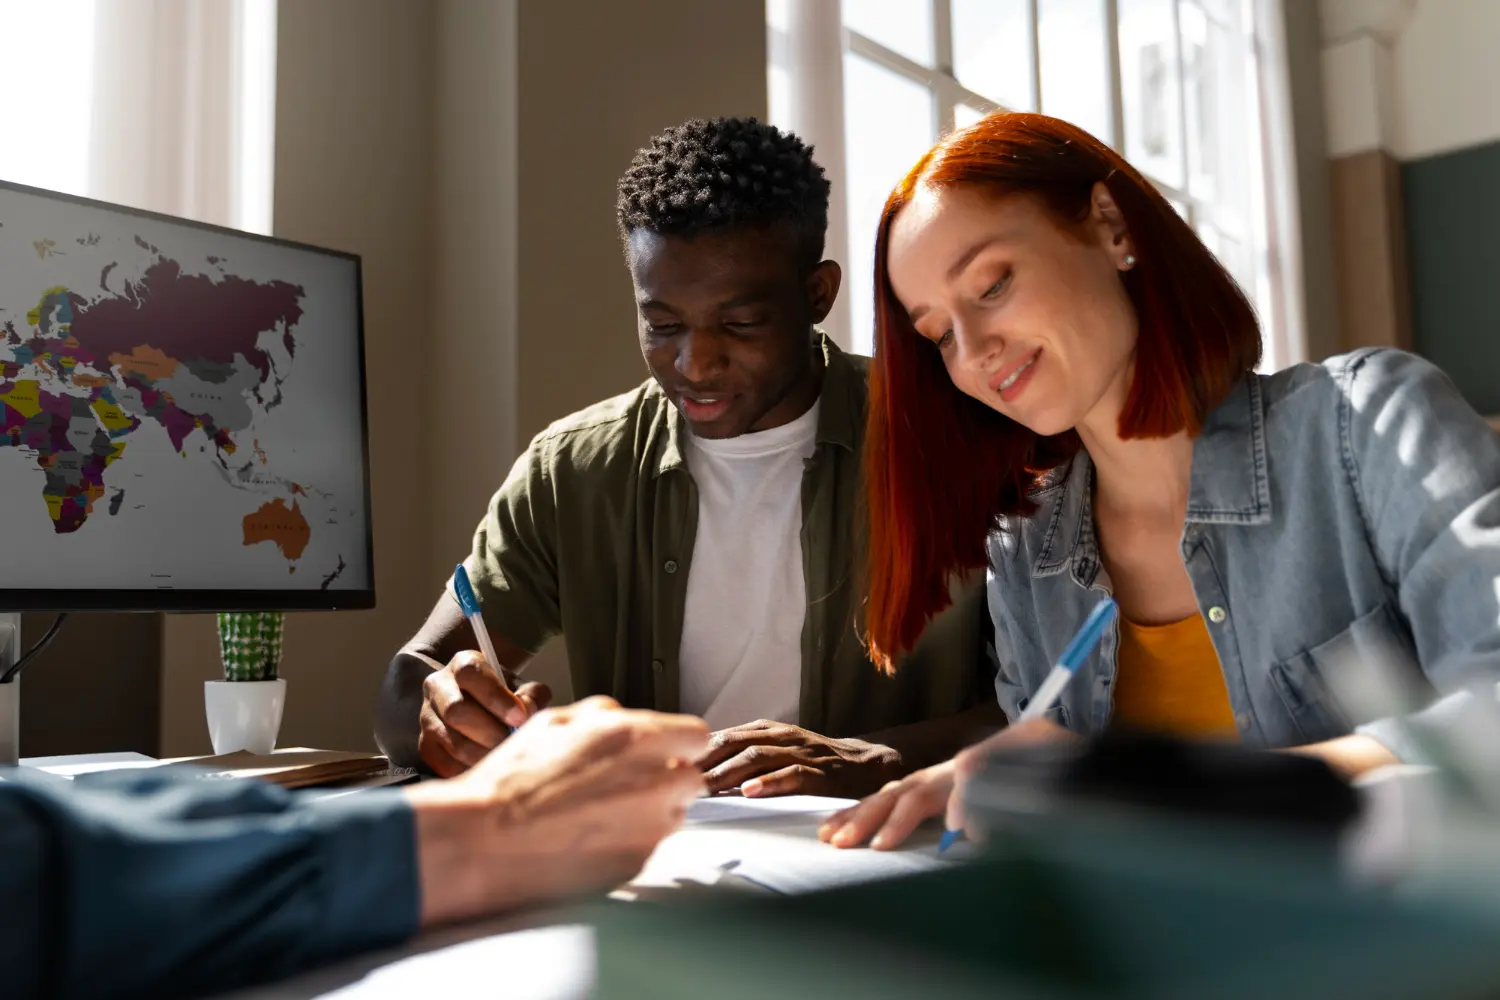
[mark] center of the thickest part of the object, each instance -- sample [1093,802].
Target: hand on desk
[888,817]
[774,758]
[573,802]
[467,712]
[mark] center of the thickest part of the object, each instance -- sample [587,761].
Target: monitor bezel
[167,599]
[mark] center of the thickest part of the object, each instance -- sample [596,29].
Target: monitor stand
[10,694]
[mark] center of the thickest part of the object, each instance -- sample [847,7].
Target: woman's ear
[1109,225]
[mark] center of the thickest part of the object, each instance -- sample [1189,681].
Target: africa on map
[179,407]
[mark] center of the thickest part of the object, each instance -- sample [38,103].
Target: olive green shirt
[592,533]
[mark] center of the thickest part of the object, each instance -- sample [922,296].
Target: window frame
[941,81]
[1271,241]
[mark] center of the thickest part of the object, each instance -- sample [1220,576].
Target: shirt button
[658,666]
[1243,721]
[670,566]
[1217,614]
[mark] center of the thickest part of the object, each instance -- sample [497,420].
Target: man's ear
[823,289]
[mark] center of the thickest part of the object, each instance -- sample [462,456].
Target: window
[1159,80]
[48,95]
[168,107]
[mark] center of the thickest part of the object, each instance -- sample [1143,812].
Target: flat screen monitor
[182,415]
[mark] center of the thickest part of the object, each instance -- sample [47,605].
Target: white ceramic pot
[244,715]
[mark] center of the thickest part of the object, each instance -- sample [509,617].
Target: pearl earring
[1129,261]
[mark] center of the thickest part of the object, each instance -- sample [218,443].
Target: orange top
[1169,680]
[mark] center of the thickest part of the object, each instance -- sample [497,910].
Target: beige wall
[597,80]
[405,130]
[1315,200]
[1406,83]
[1374,284]
[1412,77]
[473,437]
[95,689]
[354,164]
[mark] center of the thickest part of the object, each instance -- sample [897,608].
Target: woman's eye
[996,288]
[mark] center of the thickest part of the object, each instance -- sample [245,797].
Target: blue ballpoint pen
[1052,688]
[469,602]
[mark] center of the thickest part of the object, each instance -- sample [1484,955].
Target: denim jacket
[1341,517]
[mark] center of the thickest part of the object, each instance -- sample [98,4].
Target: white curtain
[45,101]
[182,108]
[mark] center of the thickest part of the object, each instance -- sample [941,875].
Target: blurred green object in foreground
[1091,907]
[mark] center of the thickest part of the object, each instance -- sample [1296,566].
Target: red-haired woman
[1064,392]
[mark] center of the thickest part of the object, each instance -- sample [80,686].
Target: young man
[696,540]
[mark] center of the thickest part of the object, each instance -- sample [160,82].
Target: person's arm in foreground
[155,885]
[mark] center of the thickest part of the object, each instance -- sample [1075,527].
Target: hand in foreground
[774,758]
[572,802]
[467,712]
[888,817]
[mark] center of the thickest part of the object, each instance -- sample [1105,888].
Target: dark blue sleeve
[158,885]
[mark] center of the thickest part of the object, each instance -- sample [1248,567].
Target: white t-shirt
[741,656]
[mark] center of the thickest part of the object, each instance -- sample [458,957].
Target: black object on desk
[1162,774]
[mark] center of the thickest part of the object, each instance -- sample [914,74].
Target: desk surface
[727,844]
[537,956]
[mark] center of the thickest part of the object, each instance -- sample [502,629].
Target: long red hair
[940,466]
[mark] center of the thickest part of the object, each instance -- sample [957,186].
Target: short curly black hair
[706,176]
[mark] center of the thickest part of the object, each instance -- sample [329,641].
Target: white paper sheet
[549,963]
[737,808]
[69,765]
[772,845]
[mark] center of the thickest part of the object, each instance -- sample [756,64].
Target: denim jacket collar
[1230,484]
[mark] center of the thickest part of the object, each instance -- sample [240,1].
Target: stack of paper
[295,767]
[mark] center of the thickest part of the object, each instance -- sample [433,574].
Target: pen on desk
[469,602]
[1068,663]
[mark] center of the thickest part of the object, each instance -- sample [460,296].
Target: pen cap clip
[467,599]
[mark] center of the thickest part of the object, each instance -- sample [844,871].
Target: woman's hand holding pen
[892,813]
[888,817]
[468,711]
